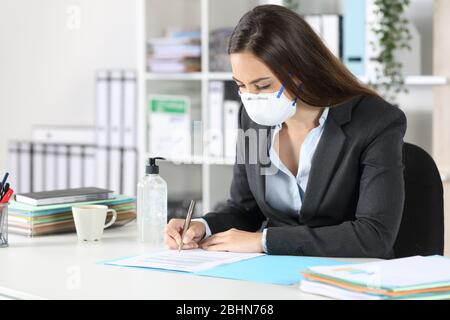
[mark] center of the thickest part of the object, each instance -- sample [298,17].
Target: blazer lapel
[326,158]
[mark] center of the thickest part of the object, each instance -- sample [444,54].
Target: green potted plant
[392,32]
[291,4]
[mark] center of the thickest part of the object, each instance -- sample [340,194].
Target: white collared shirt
[284,191]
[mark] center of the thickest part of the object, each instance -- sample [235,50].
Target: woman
[336,146]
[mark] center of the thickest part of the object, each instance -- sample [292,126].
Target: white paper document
[396,274]
[185,260]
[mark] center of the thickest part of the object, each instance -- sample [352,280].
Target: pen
[7,196]
[4,190]
[4,179]
[187,223]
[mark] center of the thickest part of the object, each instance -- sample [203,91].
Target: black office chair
[422,227]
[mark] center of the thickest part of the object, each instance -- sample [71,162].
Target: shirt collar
[323,117]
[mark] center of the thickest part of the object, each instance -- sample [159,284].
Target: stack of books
[44,213]
[406,278]
[178,51]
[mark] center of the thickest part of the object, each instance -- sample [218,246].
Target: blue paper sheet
[283,270]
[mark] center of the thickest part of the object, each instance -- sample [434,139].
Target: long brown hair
[292,50]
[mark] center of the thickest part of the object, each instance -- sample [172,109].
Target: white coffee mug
[90,221]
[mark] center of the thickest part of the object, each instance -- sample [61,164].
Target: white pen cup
[90,221]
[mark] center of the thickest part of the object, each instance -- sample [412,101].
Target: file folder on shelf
[116,117]
[354,36]
[102,128]
[215,111]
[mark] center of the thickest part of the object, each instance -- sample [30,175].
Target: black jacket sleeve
[241,210]
[379,209]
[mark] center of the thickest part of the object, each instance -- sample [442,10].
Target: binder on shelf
[38,174]
[25,176]
[129,174]
[215,111]
[129,115]
[331,33]
[315,22]
[102,128]
[329,28]
[354,28]
[116,133]
[169,123]
[75,163]
[116,95]
[62,167]
[231,113]
[50,165]
[89,166]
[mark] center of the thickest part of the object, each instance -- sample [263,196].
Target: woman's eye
[263,87]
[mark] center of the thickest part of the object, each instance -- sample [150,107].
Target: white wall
[48,58]
[47,66]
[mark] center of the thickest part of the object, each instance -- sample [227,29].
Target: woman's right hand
[174,229]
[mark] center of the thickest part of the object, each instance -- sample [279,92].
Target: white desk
[60,267]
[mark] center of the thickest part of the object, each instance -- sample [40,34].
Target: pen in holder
[3,225]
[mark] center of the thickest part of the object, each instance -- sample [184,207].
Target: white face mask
[268,109]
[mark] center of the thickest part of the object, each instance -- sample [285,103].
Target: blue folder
[354,36]
[281,270]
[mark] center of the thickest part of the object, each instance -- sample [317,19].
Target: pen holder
[3,225]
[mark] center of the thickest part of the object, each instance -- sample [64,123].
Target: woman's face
[252,75]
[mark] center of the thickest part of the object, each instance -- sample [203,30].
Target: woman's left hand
[234,240]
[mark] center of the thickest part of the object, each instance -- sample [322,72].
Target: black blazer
[353,202]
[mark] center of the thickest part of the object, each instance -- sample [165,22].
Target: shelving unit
[207,15]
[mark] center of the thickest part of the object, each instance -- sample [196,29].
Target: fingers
[172,235]
[213,240]
[170,242]
[172,232]
[218,247]
[189,235]
[190,245]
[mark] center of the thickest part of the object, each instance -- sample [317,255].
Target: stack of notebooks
[44,213]
[406,278]
[178,51]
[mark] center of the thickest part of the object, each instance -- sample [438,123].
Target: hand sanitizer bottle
[152,205]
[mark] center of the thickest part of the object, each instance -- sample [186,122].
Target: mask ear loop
[280,92]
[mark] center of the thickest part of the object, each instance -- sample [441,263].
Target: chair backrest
[422,227]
